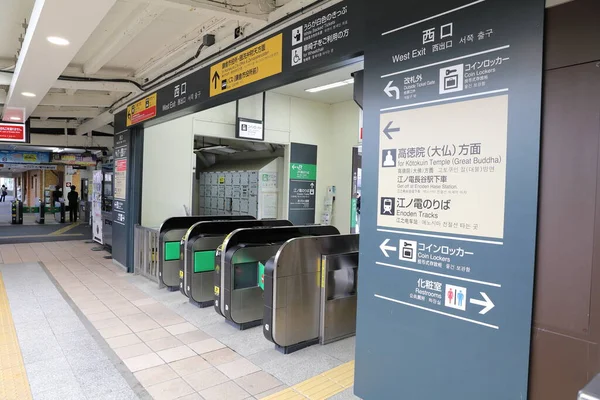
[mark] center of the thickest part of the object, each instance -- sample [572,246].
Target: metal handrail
[145,256]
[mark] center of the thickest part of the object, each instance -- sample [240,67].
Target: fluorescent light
[331,86]
[218,150]
[28,94]
[15,118]
[58,40]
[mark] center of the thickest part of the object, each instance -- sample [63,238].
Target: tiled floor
[174,349]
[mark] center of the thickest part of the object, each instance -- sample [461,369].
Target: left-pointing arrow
[486,303]
[385,248]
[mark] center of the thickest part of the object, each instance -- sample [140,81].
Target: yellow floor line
[13,378]
[320,387]
[39,236]
[65,229]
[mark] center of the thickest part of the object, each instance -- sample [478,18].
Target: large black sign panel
[313,45]
[120,193]
[452,107]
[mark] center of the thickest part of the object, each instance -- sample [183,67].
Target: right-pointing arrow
[486,303]
[385,248]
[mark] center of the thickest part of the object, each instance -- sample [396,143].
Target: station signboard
[452,108]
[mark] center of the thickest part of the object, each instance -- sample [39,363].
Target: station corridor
[75,326]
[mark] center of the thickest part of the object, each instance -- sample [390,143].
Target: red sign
[121,165]
[12,133]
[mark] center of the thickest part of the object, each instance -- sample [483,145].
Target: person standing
[73,196]
[3,193]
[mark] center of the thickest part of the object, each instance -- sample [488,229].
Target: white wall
[345,135]
[167,171]
[333,128]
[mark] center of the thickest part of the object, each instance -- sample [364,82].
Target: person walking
[3,193]
[73,196]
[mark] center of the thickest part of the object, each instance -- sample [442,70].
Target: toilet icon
[389,158]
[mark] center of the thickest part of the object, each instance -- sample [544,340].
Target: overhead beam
[102,120]
[85,100]
[134,24]
[40,63]
[53,124]
[122,87]
[109,130]
[206,7]
[180,48]
[50,112]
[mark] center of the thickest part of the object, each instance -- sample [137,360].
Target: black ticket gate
[239,274]
[169,246]
[40,217]
[311,292]
[200,244]
[59,212]
[16,211]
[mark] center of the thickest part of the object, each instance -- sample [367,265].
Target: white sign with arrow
[390,89]
[486,303]
[385,248]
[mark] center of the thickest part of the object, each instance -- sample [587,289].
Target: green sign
[204,261]
[172,251]
[353,213]
[303,172]
[261,275]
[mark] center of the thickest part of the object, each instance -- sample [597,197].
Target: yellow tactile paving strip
[13,378]
[320,387]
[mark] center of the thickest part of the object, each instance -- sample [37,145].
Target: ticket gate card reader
[169,250]
[200,244]
[306,301]
[238,292]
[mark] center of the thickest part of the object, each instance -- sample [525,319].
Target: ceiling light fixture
[58,40]
[331,86]
[28,94]
[15,118]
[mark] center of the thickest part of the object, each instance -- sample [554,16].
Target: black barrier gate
[40,218]
[17,212]
[59,212]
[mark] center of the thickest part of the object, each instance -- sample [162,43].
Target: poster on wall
[13,133]
[97,221]
[452,106]
[120,179]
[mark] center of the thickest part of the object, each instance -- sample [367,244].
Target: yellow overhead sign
[258,62]
[142,110]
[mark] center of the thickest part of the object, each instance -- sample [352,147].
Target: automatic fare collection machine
[170,252]
[199,246]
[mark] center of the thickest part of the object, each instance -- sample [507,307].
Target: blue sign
[24,157]
[452,108]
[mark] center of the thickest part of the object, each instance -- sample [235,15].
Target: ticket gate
[169,246]
[59,211]
[240,268]
[40,217]
[311,292]
[199,245]
[16,212]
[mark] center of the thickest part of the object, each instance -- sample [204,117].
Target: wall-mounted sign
[249,129]
[452,106]
[250,65]
[29,167]
[24,157]
[74,159]
[142,110]
[13,133]
[320,42]
[303,183]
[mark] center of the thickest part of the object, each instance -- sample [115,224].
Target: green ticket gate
[238,292]
[199,245]
[169,250]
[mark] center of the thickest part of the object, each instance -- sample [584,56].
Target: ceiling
[130,41]
[329,96]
